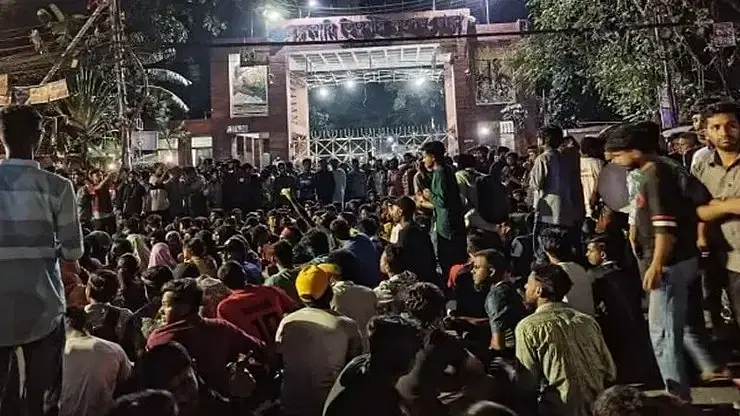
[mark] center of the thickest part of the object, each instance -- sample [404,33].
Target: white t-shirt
[581,295]
[92,369]
[315,345]
[357,302]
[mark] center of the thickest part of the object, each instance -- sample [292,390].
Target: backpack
[105,328]
[493,201]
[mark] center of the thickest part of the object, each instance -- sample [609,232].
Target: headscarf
[141,251]
[161,256]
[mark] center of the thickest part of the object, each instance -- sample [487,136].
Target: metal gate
[384,143]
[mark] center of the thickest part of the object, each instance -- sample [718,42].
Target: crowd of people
[486,283]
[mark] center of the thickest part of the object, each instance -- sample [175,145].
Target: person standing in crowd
[130,195]
[592,153]
[356,182]
[306,182]
[395,179]
[378,180]
[718,172]
[561,347]
[668,251]
[41,227]
[158,198]
[686,145]
[283,180]
[558,198]
[93,369]
[104,218]
[423,262]
[324,183]
[315,344]
[449,225]
[504,306]
[340,182]
[175,193]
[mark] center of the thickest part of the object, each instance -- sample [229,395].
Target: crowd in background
[486,283]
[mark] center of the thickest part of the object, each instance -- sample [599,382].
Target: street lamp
[313,3]
[484,131]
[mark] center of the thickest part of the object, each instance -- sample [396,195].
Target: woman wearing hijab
[141,251]
[161,256]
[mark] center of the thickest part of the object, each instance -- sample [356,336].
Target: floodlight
[313,3]
[350,84]
[420,81]
[484,131]
[272,15]
[323,92]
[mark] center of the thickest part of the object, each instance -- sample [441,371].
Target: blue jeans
[666,320]
[43,377]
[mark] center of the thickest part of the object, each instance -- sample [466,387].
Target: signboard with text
[381,26]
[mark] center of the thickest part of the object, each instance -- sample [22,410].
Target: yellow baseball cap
[314,280]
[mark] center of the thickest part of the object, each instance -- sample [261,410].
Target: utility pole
[123,125]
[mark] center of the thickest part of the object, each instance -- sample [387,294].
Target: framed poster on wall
[247,89]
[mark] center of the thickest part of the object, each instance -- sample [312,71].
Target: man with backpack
[484,197]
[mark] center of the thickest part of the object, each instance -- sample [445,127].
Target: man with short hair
[557,191]
[315,344]
[362,248]
[423,262]
[580,297]
[671,252]
[287,272]
[719,172]
[562,347]
[213,343]
[449,222]
[504,306]
[39,227]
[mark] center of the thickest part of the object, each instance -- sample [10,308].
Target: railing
[345,144]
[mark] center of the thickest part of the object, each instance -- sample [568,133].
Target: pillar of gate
[298,127]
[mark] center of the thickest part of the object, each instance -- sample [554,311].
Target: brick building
[259,95]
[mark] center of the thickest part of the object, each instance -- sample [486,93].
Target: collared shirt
[39,226]
[565,348]
[555,181]
[723,182]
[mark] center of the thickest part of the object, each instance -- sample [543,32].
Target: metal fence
[345,144]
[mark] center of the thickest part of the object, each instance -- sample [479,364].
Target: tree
[607,69]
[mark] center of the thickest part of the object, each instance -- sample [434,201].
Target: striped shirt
[39,225]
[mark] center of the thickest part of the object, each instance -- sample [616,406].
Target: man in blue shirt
[364,250]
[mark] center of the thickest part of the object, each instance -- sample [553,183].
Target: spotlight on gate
[484,131]
[272,15]
[350,84]
[323,92]
[419,82]
[313,3]
[390,139]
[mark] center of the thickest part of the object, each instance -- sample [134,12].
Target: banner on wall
[247,89]
[381,26]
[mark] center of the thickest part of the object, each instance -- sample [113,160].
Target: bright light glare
[483,131]
[313,3]
[419,81]
[323,92]
[272,15]
[390,139]
[350,84]
[112,166]
[169,159]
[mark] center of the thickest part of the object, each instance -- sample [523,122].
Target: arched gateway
[259,95]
